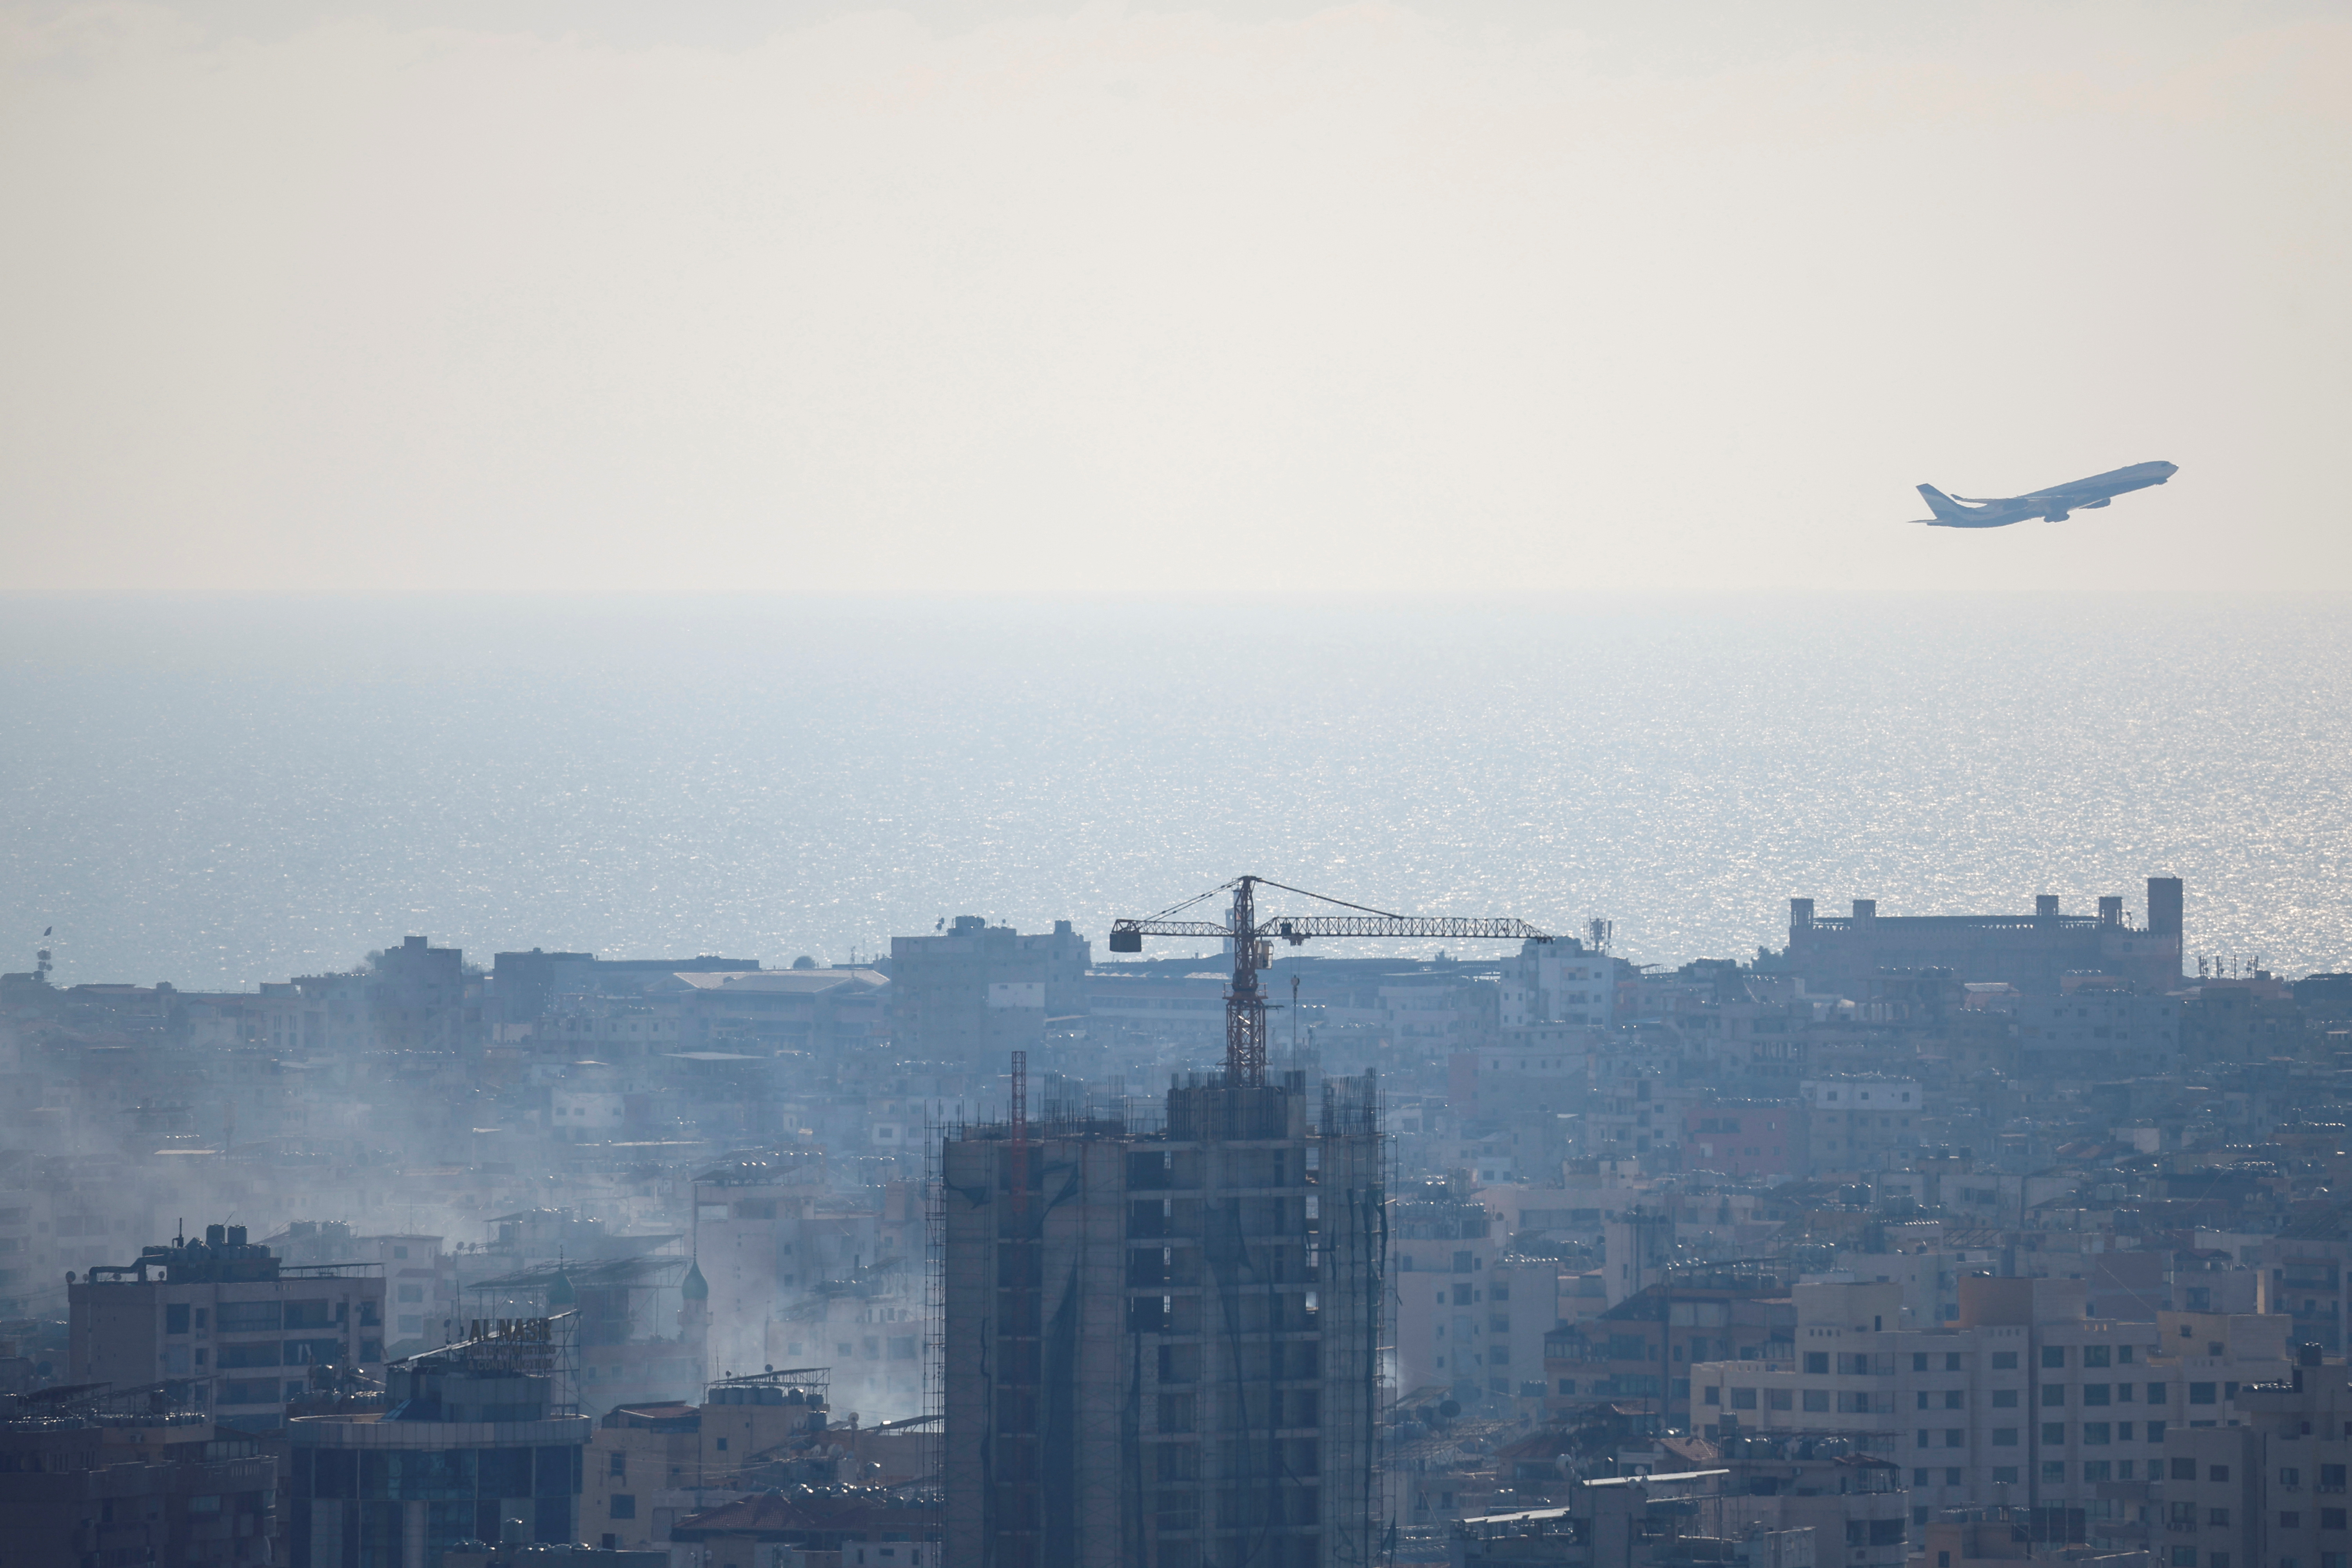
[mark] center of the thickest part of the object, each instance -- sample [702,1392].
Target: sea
[220,791]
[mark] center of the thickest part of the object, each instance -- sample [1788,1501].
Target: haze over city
[1174,786]
[1012,298]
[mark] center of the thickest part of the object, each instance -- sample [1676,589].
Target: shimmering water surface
[220,791]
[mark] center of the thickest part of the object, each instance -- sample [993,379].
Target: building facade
[474,1442]
[244,1329]
[2035,953]
[977,989]
[1162,1347]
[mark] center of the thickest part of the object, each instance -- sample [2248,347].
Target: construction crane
[1253,945]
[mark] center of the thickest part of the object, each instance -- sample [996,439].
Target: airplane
[2051,505]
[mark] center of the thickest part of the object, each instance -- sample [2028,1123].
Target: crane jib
[1245,1003]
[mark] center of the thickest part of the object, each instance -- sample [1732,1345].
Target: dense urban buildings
[2009,1236]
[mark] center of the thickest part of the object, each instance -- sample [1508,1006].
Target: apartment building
[477,1441]
[1442,1241]
[2268,1490]
[649,1465]
[228,1315]
[2022,1402]
[1561,982]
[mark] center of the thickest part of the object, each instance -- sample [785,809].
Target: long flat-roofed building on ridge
[2033,952]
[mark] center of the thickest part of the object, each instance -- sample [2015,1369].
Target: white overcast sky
[1004,297]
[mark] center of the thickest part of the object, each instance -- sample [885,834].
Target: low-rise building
[243,1327]
[474,1442]
[84,1480]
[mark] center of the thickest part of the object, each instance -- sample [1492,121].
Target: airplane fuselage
[2053,505]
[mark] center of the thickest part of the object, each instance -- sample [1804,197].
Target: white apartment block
[2024,1401]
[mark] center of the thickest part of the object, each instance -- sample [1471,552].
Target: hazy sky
[1372,296]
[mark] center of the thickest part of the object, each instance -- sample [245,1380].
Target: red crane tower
[1253,943]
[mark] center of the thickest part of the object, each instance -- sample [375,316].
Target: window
[620,1465]
[2053,1394]
[2053,1355]
[2095,1355]
[2331,1518]
[2217,1473]
[1919,1477]
[2331,1478]
[2216,1516]
[2095,1392]
[624,1505]
[1955,1361]
[2290,1481]
[2156,1431]
[2290,1520]
[2095,1431]
[1743,1399]
[2054,1470]
[2004,1399]
[1956,1436]
[2004,1361]
[2004,1436]
[240,1316]
[2155,1394]
[1923,1399]
[2184,1557]
[1713,1396]
[175,1317]
[1776,1399]
[2004,1475]
[1817,1399]
[1956,1399]
[1817,1361]
[2202,1393]
[2053,1433]
[2184,1469]
[2095,1469]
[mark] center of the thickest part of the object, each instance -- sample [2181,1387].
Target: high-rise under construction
[1163,1344]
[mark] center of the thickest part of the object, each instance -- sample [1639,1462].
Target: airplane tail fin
[1945,509]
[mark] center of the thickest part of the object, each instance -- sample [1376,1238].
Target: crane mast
[1252,950]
